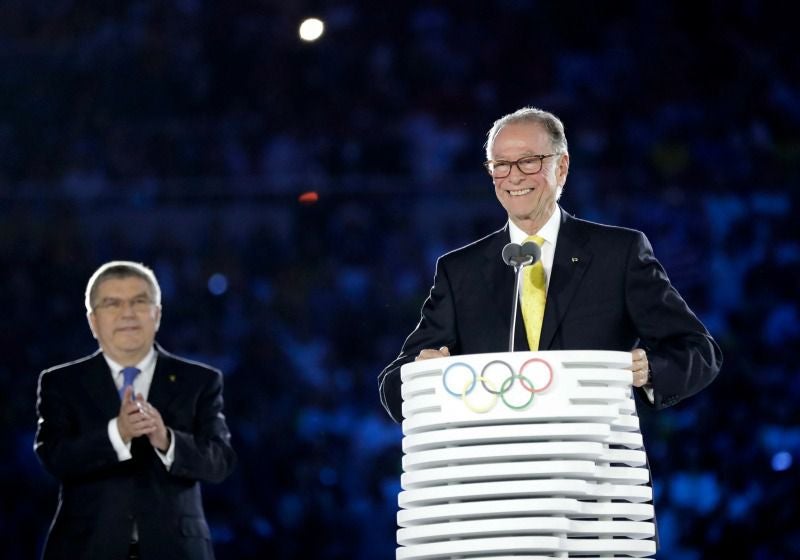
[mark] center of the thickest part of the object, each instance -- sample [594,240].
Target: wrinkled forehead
[519,139]
[126,286]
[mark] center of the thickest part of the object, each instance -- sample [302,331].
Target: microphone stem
[514,303]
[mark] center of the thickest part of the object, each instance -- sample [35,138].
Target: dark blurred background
[181,134]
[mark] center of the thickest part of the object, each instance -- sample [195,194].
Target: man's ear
[563,169]
[158,317]
[90,317]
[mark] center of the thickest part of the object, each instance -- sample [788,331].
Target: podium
[523,455]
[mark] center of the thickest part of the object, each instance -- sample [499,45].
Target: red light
[308,197]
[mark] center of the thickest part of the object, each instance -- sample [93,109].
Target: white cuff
[169,457]
[648,390]
[123,449]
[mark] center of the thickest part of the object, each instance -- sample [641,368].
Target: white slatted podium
[523,455]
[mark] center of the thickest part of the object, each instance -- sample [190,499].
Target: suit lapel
[99,385]
[499,281]
[570,262]
[163,388]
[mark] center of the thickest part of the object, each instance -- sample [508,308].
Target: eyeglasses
[139,304]
[529,165]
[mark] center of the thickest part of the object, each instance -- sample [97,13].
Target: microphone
[531,249]
[518,256]
[511,253]
[521,255]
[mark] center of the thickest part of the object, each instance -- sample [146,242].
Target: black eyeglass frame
[494,162]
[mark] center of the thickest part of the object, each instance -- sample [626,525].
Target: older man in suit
[600,287]
[129,432]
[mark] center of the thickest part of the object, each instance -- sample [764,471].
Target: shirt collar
[146,362]
[548,232]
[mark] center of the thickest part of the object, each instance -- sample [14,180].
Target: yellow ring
[479,410]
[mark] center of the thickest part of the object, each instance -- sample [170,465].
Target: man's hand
[159,437]
[131,423]
[140,418]
[429,354]
[640,367]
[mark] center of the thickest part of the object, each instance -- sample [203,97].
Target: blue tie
[128,375]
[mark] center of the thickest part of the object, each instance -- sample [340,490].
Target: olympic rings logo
[465,390]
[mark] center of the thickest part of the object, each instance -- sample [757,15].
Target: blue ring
[464,392]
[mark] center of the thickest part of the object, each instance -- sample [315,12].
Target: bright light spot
[781,461]
[217,284]
[311,29]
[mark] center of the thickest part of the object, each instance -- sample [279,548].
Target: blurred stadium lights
[311,29]
[217,284]
[781,461]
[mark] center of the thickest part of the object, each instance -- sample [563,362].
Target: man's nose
[127,308]
[516,175]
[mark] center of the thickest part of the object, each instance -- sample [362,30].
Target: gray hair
[551,124]
[121,269]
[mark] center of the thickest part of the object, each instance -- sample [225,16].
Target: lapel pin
[574,259]
[172,378]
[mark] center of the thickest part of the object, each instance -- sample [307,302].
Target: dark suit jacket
[100,497]
[607,292]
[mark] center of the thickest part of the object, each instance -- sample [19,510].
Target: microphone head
[510,253]
[531,249]
[516,255]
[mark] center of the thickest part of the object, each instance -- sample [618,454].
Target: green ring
[507,385]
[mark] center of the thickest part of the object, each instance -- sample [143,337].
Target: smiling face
[124,319]
[530,200]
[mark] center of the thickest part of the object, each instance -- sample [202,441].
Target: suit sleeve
[683,357]
[64,450]
[436,328]
[205,452]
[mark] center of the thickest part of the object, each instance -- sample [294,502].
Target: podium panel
[523,455]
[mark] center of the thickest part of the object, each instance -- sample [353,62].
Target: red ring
[549,368]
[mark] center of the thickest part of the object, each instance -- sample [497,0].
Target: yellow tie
[533,297]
